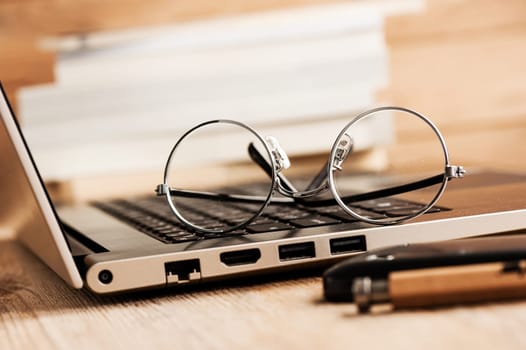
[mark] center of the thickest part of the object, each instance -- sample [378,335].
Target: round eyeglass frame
[275,185]
[265,203]
[331,168]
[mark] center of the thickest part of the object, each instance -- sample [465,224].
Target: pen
[440,286]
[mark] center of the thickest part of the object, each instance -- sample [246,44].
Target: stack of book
[122,99]
[465,70]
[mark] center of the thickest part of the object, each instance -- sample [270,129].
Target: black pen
[432,274]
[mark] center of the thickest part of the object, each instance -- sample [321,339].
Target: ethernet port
[183,271]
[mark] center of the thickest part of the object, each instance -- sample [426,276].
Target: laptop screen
[28,209]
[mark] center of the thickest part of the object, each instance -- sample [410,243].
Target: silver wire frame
[279,183]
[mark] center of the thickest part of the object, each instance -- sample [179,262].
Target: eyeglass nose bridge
[345,146]
[299,194]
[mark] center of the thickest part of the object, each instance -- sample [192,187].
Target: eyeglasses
[403,151]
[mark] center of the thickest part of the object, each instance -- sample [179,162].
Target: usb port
[345,245]
[296,251]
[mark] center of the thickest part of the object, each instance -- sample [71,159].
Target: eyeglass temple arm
[386,192]
[451,172]
[163,189]
[320,179]
[256,156]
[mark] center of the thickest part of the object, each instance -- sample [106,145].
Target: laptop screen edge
[64,266]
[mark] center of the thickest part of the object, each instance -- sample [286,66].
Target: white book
[157,109]
[252,28]
[218,62]
[144,155]
[110,87]
[121,100]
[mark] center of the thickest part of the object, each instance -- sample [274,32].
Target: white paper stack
[122,99]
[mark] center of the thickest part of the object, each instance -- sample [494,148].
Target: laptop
[121,245]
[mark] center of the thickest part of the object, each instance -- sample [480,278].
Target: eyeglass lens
[390,148]
[213,160]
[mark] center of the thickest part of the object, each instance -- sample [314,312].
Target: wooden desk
[39,311]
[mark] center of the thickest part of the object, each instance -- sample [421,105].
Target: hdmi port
[240,257]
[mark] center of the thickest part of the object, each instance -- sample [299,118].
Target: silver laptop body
[88,247]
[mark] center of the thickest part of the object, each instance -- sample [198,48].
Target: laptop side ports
[240,257]
[345,245]
[183,271]
[296,251]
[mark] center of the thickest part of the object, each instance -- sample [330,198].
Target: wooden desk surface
[39,311]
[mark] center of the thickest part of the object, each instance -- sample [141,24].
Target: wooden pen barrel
[456,284]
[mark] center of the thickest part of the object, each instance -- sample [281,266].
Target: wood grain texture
[22,63]
[38,311]
[23,23]
[455,284]
[496,147]
[460,62]
[25,66]
[80,16]
[447,19]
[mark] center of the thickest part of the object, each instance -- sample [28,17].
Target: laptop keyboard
[153,217]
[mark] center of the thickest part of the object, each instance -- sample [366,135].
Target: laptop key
[268,227]
[369,214]
[408,208]
[383,203]
[290,214]
[316,220]
[153,217]
[262,220]
[188,238]
[410,211]
[175,234]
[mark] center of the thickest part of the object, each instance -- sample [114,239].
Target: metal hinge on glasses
[161,190]
[455,171]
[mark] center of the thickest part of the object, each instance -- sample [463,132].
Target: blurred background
[103,89]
